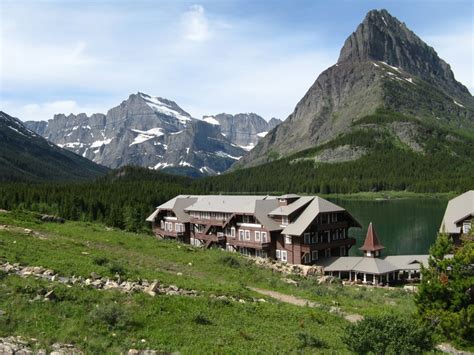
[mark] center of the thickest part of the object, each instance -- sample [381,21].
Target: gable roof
[292,207]
[316,206]
[262,207]
[226,203]
[459,207]
[371,242]
[177,205]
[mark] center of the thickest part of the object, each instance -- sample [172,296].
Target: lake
[403,226]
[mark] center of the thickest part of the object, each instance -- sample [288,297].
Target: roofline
[463,218]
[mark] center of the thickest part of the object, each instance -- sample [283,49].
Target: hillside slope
[25,156]
[224,315]
[382,65]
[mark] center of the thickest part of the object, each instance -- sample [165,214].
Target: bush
[100,260]
[112,314]
[310,341]
[202,320]
[116,268]
[231,261]
[388,334]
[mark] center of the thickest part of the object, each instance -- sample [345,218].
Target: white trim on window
[315,254]
[307,238]
[264,237]
[287,239]
[232,232]
[278,254]
[284,256]
[241,234]
[247,235]
[307,258]
[257,236]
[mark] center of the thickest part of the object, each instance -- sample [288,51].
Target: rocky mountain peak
[382,37]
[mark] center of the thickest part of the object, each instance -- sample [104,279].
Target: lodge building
[289,228]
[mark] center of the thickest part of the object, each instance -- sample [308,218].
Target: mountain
[145,131]
[242,129]
[26,156]
[382,66]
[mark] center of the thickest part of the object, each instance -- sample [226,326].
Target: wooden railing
[332,244]
[247,244]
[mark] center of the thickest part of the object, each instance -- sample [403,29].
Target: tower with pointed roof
[372,247]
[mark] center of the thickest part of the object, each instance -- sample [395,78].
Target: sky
[208,56]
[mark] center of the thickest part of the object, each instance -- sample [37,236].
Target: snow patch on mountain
[211,120]
[162,107]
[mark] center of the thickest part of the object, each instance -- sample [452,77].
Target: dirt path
[286,298]
[353,318]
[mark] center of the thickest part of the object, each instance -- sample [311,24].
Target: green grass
[189,325]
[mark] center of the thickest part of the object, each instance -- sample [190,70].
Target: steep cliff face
[145,131]
[242,129]
[381,65]
[26,156]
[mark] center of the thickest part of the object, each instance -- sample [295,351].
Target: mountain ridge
[365,79]
[26,156]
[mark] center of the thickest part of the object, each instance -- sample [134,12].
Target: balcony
[248,244]
[209,237]
[166,233]
[332,244]
[332,225]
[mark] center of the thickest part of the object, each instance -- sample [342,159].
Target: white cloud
[46,110]
[195,24]
[456,47]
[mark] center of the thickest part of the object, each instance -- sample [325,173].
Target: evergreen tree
[445,298]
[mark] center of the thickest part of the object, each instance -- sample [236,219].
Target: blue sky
[208,56]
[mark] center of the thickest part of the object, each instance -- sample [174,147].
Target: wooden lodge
[289,228]
[458,218]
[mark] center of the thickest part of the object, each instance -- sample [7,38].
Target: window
[241,235]
[287,239]
[264,237]
[232,232]
[162,225]
[314,238]
[307,258]
[278,254]
[307,238]
[247,235]
[284,220]
[245,219]
[257,236]
[342,251]
[466,227]
[179,227]
[260,253]
[328,236]
[284,256]
[315,254]
[245,251]
[334,217]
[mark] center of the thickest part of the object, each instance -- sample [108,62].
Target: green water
[404,226]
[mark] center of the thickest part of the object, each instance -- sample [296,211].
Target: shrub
[231,261]
[310,341]
[112,314]
[388,334]
[100,260]
[116,268]
[202,320]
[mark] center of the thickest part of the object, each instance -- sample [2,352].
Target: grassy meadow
[99,321]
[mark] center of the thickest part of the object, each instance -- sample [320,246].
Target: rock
[290,281]
[153,288]
[325,279]
[133,352]
[94,275]
[50,295]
